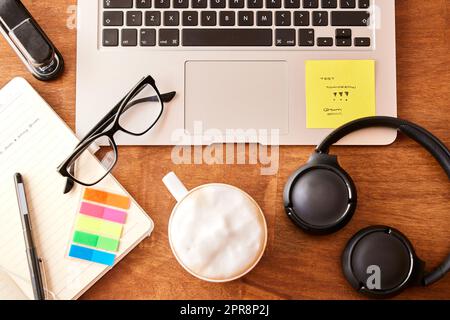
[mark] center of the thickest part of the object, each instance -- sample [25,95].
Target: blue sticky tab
[80,253]
[103,257]
[91,255]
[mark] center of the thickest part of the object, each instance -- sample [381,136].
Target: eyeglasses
[136,114]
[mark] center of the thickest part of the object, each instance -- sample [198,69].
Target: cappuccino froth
[217,232]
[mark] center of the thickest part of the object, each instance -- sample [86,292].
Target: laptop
[235,64]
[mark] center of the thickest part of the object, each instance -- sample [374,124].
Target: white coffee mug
[217,232]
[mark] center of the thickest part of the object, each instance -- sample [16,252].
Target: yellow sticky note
[339,91]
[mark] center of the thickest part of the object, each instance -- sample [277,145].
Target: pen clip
[49,295]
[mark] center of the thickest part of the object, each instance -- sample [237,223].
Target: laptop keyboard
[301,24]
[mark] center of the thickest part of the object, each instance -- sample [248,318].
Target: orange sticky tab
[107,198]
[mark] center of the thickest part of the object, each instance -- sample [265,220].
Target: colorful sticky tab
[91,255]
[339,91]
[109,199]
[103,213]
[95,241]
[99,226]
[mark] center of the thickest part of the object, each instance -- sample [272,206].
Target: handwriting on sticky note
[339,91]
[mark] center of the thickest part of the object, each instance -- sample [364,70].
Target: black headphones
[321,198]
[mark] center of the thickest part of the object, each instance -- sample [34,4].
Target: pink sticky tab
[104,213]
[115,215]
[91,210]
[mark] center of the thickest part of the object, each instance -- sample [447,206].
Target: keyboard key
[362,42]
[209,18]
[227,18]
[112,18]
[348,4]
[236,4]
[343,42]
[264,18]
[129,37]
[153,18]
[117,4]
[343,33]
[350,18]
[273,4]
[306,37]
[169,37]
[283,18]
[218,4]
[171,18]
[254,4]
[285,37]
[190,18]
[325,42]
[110,37]
[181,4]
[245,18]
[134,18]
[148,37]
[143,4]
[162,4]
[292,4]
[329,4]
[320,18]
[364,4]
[301,18]
[227,37]
[310,4]
[199,4]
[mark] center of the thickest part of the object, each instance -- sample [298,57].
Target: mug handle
[175,186]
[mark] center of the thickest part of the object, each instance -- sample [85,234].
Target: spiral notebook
[34,141]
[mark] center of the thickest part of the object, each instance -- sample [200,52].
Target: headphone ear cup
[380,261]
[320,197]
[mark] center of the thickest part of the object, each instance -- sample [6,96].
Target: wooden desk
[401,185]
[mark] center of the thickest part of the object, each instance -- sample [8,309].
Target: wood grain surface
[400,185]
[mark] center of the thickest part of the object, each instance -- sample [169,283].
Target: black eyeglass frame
[115,114]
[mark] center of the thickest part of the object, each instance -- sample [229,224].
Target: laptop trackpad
[231,95]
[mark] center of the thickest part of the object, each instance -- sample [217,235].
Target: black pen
[33,259]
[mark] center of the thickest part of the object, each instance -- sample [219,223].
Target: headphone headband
[422,136]
[425,138]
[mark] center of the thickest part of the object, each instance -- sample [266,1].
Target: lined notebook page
[34,141]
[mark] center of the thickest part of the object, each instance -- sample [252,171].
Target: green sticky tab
[85,238]
[108,244]
[95,241]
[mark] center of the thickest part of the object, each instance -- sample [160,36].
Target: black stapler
[29,41]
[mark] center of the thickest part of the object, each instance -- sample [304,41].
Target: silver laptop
[235,64]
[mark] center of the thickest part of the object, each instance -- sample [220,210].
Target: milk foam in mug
[217,232]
